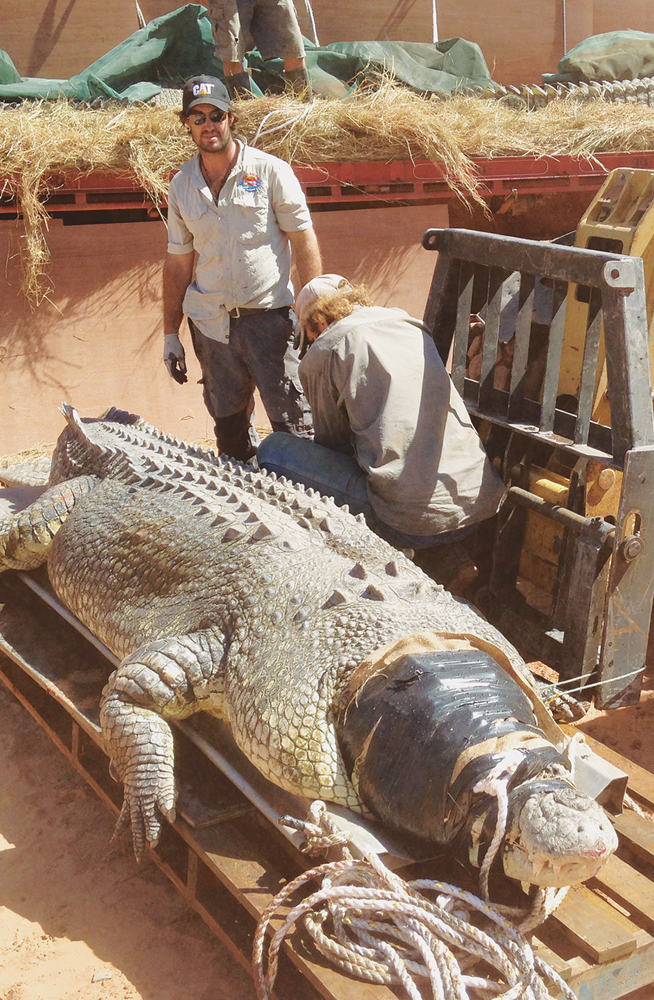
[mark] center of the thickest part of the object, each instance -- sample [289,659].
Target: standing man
[275,30]
[393,438]
[234,213]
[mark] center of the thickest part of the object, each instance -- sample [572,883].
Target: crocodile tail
[75,452]
[26,537]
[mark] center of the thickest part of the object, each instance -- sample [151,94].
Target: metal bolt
[631,547]
[606,479]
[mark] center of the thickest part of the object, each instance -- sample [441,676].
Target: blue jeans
[339,476]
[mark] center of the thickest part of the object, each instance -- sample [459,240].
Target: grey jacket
[379,390]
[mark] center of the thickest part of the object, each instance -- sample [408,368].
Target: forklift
[559,386]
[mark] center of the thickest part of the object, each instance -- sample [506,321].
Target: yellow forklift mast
[620,219]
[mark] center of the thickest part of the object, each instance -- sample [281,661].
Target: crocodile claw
[563,706]
[142,811]
[142,757]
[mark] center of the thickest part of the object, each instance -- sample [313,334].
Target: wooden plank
[629,887]
[255,881]
[636,833]
[613,980]
[641,782]
[595,926]
[560,965]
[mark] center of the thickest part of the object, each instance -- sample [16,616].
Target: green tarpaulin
[616,55]
[172,48]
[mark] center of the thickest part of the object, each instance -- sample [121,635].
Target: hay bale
[44,143]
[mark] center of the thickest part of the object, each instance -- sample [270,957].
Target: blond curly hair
[337,305]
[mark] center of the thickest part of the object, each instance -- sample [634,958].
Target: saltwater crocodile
[227,590]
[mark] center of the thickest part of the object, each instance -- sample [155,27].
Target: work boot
[298,83]
[450,565]
[239,85]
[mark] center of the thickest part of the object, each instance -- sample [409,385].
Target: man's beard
[211,146]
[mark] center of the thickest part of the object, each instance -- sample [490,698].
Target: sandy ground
[78,922]
[627,730]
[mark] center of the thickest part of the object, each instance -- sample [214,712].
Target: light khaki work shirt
[244,257]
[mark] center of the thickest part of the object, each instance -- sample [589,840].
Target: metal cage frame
[598,626]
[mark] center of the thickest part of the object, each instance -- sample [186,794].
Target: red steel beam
[344,184]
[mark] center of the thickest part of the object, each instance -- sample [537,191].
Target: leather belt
[242,311]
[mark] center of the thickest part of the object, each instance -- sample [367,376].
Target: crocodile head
[556,836]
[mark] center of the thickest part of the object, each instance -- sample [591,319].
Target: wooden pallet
[228,860]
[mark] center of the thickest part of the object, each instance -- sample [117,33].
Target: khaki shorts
[272,24]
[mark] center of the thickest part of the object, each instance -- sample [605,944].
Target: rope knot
[319,830]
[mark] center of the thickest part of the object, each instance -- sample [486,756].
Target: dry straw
[43,143]
[27,457]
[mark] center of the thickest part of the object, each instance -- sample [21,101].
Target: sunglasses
[215,117]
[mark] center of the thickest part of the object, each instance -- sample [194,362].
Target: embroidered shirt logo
[250,182]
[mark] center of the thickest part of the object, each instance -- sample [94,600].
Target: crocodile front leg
[25,539]
[167,679]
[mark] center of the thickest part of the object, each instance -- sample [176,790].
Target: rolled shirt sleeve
[288,201]
[180,238]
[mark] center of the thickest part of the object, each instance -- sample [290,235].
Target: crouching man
[393,438]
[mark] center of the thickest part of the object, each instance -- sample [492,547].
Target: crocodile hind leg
[25,538]
[166,679]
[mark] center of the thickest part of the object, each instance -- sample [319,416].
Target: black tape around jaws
[414,720]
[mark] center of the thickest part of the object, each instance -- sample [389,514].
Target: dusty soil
[78,921]
[627,730]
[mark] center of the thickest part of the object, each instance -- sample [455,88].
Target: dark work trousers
[260,354]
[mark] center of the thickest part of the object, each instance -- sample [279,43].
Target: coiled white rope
[372,924]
